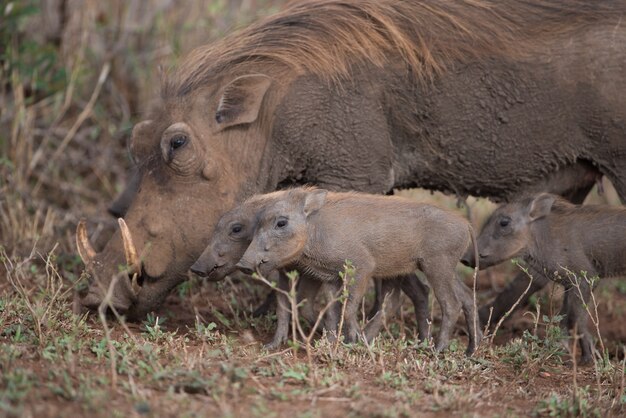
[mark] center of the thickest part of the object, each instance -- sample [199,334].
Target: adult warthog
[489,98]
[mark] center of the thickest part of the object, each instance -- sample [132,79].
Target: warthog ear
[540,206]
[314,200]
[241,100]
[140,138]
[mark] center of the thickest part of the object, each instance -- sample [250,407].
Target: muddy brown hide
[567,243]
[528,102]
[383,237]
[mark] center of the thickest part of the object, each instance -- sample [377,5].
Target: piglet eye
[178,141]
[281,223]
[504,222]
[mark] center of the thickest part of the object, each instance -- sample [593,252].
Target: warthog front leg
[471,315]
[356,291]
[452,295]
[577,298]
[283,313]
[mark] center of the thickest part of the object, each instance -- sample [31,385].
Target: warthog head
[197,156]
[232,236]
[282,231]
[229,241]
[506,233]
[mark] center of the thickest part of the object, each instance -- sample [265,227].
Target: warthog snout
[468,259]
[245,267]
[96,296]
[249,266]
[201,268]
[212,265]
[198,270]
[125,286]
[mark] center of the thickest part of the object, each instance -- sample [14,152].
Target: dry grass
[69,94]
[202,354]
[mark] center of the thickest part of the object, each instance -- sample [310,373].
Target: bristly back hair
[330,38]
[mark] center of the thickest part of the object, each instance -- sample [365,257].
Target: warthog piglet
[232,236]
[568,243]
[316,231]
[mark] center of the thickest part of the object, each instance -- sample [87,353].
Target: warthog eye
[178,141]
[236,228]
[504,222]
[281,223]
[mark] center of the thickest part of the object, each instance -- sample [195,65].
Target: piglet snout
[245,266]
[199,270]
[468,259]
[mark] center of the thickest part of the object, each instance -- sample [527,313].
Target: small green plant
[206,332]
[153,326]
[298,373]
[347,277]
[393,380]
[186,288]
[578,405]
[16,385]
[531,348]
[122,351]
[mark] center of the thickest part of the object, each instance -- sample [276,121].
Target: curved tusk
[85,250]
[132,260]
[134,284]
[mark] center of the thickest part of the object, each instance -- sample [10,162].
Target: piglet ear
[540,206]
[314,200]
[241,100]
